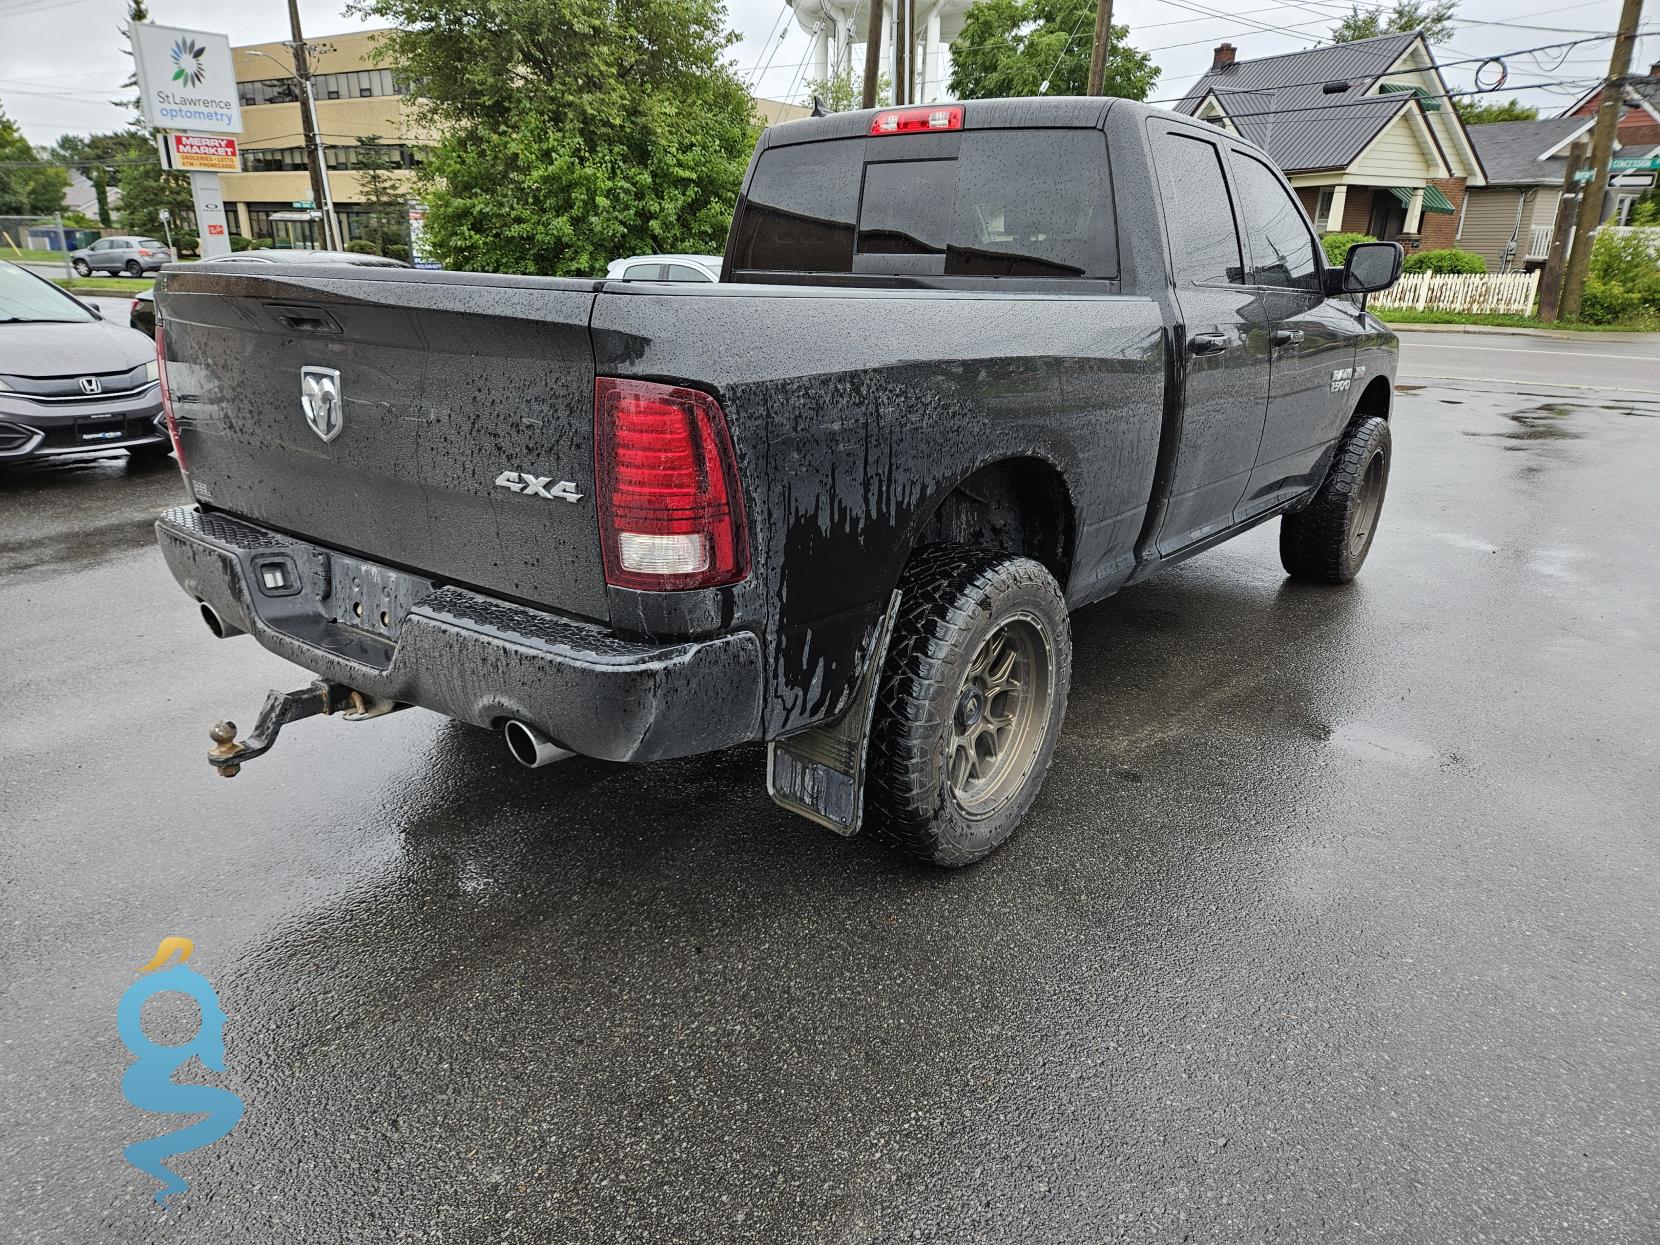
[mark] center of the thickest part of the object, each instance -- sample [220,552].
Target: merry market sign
[202,153]
[186,80]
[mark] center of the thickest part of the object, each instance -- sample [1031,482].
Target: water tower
[838,28]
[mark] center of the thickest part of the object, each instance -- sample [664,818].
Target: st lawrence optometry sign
[186,80]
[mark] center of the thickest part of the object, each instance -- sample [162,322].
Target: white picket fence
[1503,293]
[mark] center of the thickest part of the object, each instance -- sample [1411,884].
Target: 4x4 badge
[537,486]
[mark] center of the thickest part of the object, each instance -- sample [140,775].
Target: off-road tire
[953,601]
[1327,541]
[82,268]
[133,268]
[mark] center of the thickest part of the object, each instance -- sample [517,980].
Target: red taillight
[167,397]
[917,120]
[671,512]
[142,251]
[133,311]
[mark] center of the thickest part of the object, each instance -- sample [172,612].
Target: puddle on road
[1546,422]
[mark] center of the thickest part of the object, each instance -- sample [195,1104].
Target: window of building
[355,84]
[1198,213]
[1322,209]
[259,217]
[292,159]
[1282,248]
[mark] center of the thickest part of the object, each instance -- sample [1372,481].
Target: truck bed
[851,412]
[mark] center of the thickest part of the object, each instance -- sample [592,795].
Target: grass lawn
[25,254]
[105,285]
[1406,316]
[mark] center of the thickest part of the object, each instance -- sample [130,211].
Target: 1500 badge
[537,486]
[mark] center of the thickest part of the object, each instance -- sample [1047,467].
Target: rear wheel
[1327,541]
[971,701]
[133,268]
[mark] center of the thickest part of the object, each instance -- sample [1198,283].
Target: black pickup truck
[969,367]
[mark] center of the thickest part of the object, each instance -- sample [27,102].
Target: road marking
[1570,354]
[1546,384]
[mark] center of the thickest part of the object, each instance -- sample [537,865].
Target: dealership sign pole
[187,86]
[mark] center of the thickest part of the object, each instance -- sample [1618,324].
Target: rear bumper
[476,658]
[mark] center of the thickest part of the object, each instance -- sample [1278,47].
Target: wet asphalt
[1337,918]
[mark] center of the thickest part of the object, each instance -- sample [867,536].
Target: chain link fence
[42,243]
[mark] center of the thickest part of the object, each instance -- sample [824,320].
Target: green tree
[28,185]
[845,91]
[573,133]
[99,158]
[145,190]
[383,191]
[1012,48]
[1436,20]
[1478,110]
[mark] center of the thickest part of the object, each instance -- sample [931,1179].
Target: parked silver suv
[132,255]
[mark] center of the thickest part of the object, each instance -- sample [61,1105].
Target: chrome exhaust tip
[221,629]
[530,747]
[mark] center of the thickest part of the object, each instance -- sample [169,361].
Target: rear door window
[1010,203]
[1198,214]
[643,272]
[683,272]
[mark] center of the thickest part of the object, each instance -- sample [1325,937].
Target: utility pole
[1098,52]
[308,125]
[1602,150]
[901,78]
[1567,208]
[873,55]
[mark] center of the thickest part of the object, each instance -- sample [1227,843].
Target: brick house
[1640,120]
[1362,130]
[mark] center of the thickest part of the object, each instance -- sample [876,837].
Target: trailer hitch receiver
[323,697]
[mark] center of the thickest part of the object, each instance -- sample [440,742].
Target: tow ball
[229,753]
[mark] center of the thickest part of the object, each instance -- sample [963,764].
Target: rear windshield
[1009,203]
[155,242]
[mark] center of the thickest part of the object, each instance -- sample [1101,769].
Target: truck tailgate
[445,382]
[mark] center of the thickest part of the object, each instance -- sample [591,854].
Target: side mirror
[1372,266]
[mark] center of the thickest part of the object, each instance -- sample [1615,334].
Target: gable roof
[1511,150]
[1643,88]
[1277,101]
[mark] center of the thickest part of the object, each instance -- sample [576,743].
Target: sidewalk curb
[1505,330]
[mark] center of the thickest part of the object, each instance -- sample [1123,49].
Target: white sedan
[665,268]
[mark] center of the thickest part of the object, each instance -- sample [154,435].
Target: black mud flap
[820,773]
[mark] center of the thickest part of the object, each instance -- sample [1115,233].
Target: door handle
[1287,337]
[1207,343]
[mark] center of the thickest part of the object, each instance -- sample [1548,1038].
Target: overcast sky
[61,60]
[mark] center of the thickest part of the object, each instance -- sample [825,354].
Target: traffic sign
[1623,164]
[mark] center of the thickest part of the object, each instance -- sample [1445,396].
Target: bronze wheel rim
[1000,715]
[1363,522]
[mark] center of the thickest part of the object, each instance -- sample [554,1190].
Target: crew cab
[968,367]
